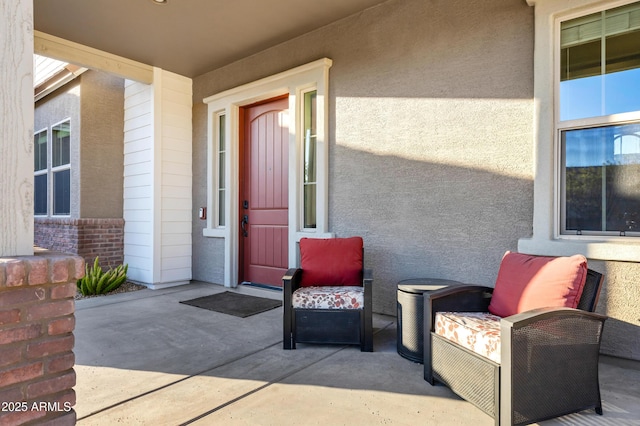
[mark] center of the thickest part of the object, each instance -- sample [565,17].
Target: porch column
[36,290]
[16,122]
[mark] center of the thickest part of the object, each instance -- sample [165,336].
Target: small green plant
[95,281]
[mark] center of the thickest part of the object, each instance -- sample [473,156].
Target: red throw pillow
[332,261]
[528,282]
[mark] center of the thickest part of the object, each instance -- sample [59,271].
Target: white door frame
[312,76]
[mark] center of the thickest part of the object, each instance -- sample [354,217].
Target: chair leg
[366,330]
[287,343]
[287,339]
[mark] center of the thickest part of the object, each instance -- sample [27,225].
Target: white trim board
[292,82]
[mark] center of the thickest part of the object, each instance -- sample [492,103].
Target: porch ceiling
[188,37]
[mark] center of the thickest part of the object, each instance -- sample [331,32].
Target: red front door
[264,192]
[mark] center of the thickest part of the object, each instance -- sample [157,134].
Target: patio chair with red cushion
[328,300]
[526,350]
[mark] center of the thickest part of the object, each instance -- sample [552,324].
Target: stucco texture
[431,146]
[620,301]
[430,137]
[93,104]
[62,105]
[102,146]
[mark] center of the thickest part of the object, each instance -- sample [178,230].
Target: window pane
[602,188]
[221,208]
[622,81]
[221,133]
[310,206]
[310,162]
[40,151]
[589,87]
[62,192]
[310,137]
[581,83]
[40,194]
[221,169]
[581,60]
[581,98]
[61,144]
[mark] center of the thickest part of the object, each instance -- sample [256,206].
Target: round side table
[411,314]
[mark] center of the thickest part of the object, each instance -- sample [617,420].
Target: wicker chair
[331,270]
[548,356]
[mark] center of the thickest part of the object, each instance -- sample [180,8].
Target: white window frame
[301,187]
[53,170]
[44,171]
[546,238]
[50,170]
[216,148]
[294,82]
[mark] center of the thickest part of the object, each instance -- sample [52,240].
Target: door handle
[243,224]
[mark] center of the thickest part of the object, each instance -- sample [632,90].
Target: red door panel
[264,192]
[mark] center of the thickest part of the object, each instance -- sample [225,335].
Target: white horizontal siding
[176,178]
[138,205]
[138,157]
[136,239]
[183,181]
[140,252]
[177,239]
[136,191]
[138,173]
[175,215]
[176,250]
[158,179]
[176,262]
[135,145]
[182,227]
[176,275]
[173,192]
[138,134]
[136,216]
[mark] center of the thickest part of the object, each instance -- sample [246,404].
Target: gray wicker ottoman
[410,320]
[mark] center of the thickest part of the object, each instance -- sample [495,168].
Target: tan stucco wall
[620,300]
[431,145]
[61,105]
[102,147]
[430,136]
[94,103]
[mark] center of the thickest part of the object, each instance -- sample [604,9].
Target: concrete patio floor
[143,358]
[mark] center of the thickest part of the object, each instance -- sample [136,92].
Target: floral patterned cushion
[328,297]
[476,331]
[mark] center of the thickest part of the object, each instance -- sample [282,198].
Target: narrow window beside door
[309,181]
[222,149]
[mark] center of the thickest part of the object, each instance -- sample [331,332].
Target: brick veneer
[85,237]
[36,338]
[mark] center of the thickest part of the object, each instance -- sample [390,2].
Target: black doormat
[239,305]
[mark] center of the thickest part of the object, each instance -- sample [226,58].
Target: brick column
[36,338]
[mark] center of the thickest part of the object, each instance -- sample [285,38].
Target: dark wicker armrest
[367,283]
[367,278]
[461,298]
[550,327]
[552,356]
[530,318]
[291,280]
[458,298]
